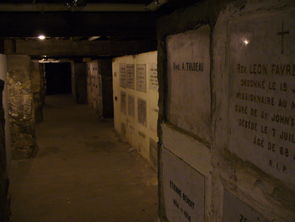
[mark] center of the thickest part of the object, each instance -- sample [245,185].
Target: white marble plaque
[184,190]
[189,96]
[131,105]
[141,111]
[262,93]
[123,77]
[123,102]
[234,210]
[130,74]
[141,77]
[153,77]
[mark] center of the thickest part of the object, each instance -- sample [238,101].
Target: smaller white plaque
[184,190]
[153,77]
[141,77]
[235,210]
[123,78]
[130,74]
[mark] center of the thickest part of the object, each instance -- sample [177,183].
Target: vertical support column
[3,73]
[1,46]
[79,82]
[94,88]
[4,204]
[38,88]
[105,71]
[20,106]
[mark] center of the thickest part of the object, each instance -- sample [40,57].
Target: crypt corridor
[155,111]
[82,172]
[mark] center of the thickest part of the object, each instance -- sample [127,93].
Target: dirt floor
[82,172]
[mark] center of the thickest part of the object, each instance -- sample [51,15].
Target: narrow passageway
[82,172]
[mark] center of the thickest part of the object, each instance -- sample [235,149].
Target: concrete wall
[136,102]
[226,74]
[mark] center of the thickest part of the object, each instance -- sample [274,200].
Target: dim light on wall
[45,60]
[41,37]
[245,41]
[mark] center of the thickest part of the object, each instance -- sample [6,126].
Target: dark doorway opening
[58,78]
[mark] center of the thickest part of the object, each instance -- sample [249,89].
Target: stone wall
[136,102]
[227,80]
[21,106]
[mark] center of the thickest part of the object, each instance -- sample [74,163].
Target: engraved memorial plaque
[141,111]
[184,190]
[153,77]
[262,93]
[131,105]
[130,74]
[123,78]
[189,96]
[234,210]
[141,77]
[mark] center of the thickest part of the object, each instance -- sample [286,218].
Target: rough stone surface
[20,106]
[82,172]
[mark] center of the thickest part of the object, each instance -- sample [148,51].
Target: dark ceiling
[131,25]
[115,25]
[88,1]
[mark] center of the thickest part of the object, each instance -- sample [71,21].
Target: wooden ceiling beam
[84,48]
